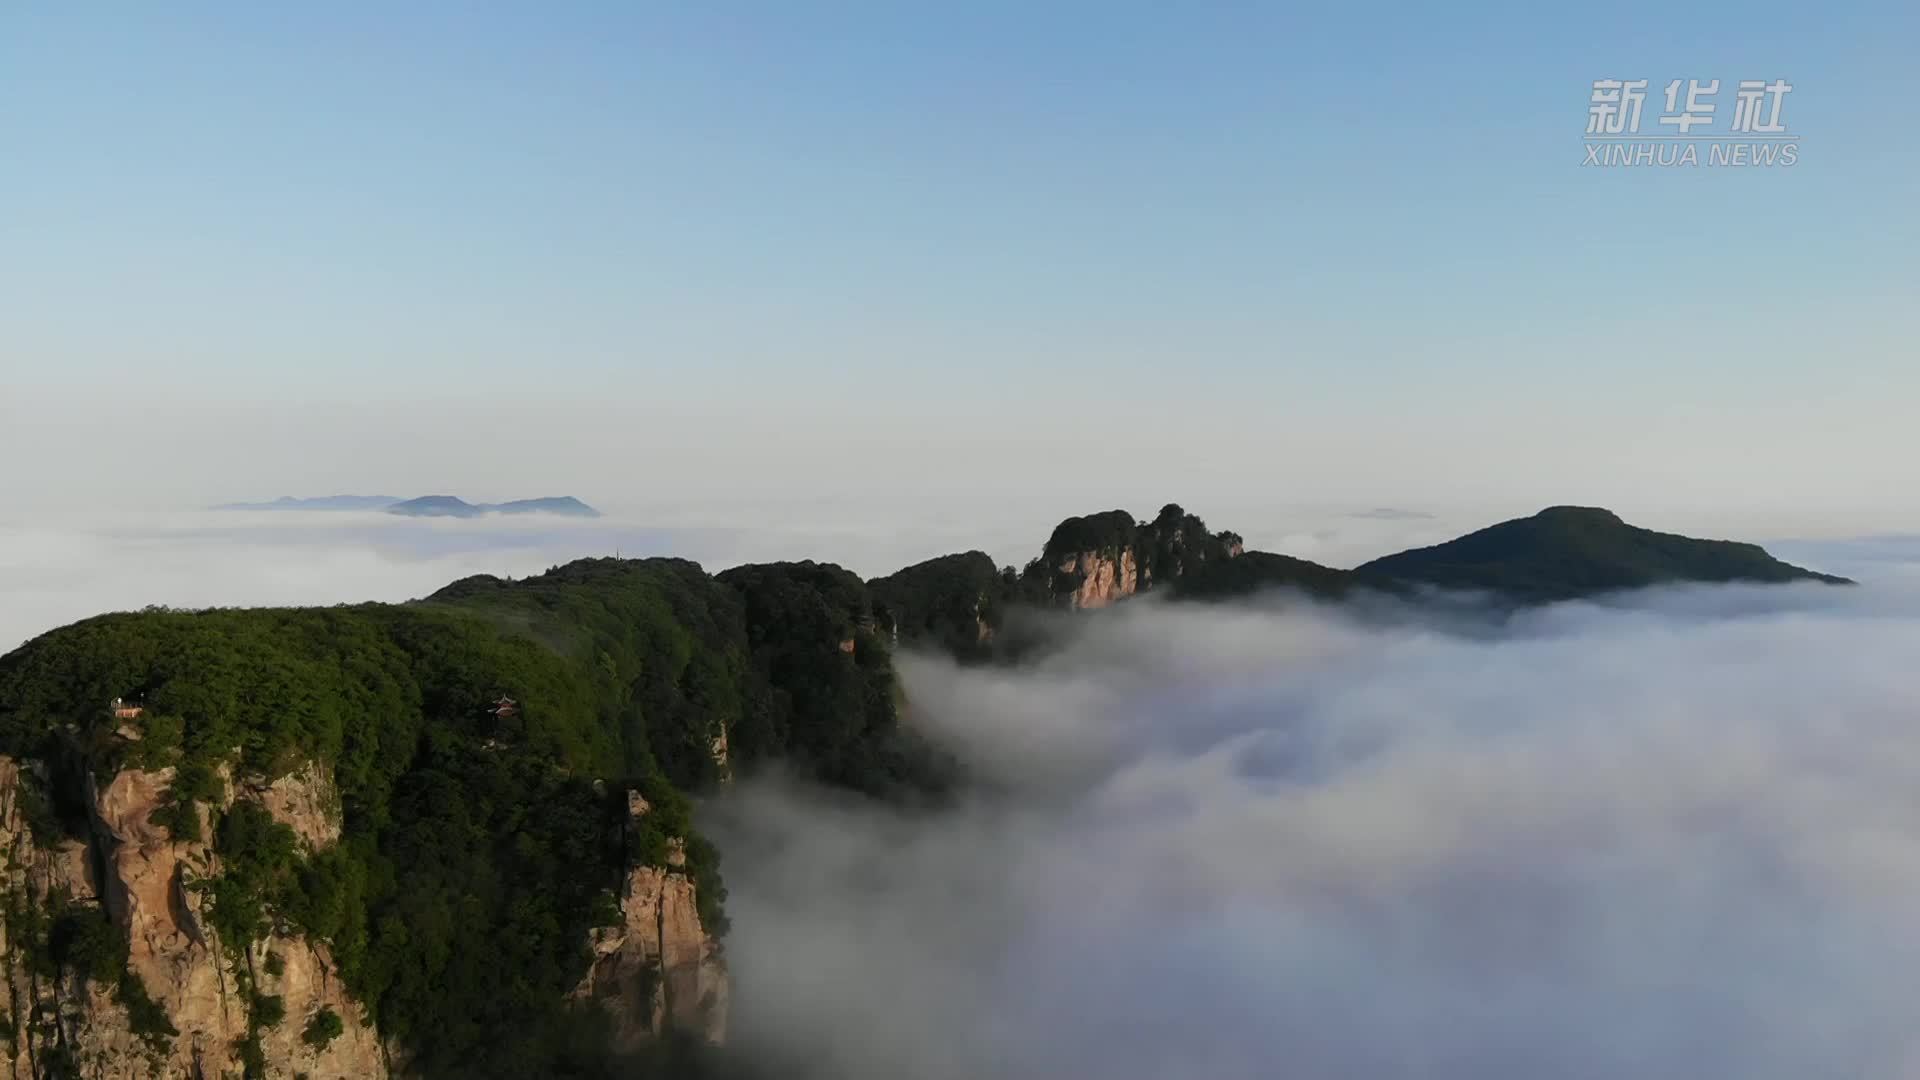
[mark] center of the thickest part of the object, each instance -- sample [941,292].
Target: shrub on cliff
[322,1029]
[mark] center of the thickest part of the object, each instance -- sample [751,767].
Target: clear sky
[1323,252]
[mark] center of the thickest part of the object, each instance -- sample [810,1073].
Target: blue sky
[1329,249]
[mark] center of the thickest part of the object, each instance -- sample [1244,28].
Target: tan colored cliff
[306,801]
[658,968]
[145,880]
[1106,577]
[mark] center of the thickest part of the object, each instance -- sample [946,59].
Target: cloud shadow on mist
[1671,835]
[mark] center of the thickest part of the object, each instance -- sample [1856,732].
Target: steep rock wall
[1100,559]
[658,968]
[145,881]
[1104,577]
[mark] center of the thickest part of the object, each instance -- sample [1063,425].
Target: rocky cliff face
[1097,578]
[133,871]
[960,604]
[1100,559]
[658,968]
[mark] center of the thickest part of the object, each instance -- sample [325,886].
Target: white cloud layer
[1673,836]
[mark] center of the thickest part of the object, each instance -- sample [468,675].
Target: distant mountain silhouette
[1564,552]
[436,506]
[426,505]
[551,504]
[453,506]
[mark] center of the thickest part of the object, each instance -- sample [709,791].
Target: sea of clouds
[1672,835]
[1675,834]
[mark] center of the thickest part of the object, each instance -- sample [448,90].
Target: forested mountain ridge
[961,605]
[480,747]
[1566,552]
[283,842]
[1093,561]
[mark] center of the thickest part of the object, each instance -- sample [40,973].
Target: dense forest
[474,841]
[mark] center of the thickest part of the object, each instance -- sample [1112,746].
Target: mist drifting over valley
[1669,835]
[626,541]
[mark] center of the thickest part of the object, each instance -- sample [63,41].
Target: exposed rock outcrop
[146,882]
[1099,578]
[967,607]
[1101,559]
[306,800]
[657,968]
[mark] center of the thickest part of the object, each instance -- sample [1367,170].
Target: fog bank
[1676,835]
